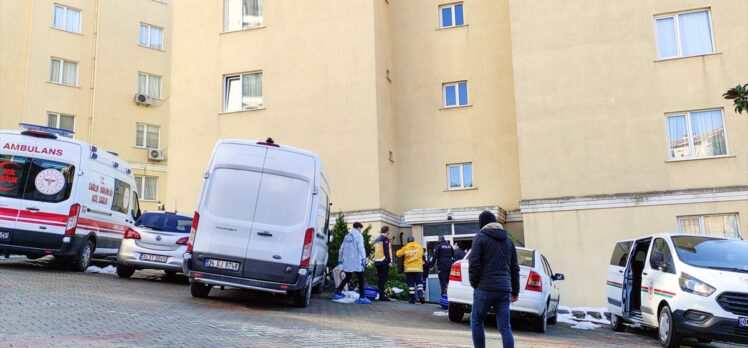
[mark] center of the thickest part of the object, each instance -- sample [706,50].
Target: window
[286,201]
[121,198]
[451,15]
[63,72]
[620,254]
[147,136]
[455,94]
[242,92]
[242,14]
[660,246]
[684,34]
[223,193]
[697,134]
[719,225]
[149,85]
[67,18]
[151,36]
[61,121]
[147,187]
[460,176]
[35,179]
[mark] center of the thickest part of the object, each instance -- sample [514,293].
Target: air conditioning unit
[142,99]
[156,155]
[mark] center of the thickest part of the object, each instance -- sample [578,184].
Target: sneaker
[338,297]
[363,300]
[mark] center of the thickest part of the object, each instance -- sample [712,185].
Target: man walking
[413,253]
[459,252]
[352,256]
[443,258]
[383,260]
[494,274]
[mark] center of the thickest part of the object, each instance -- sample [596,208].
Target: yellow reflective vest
[413,253]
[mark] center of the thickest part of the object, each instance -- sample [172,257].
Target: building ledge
[442,215]
[687,57]
[697,159]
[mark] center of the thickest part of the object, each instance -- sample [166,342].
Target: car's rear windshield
[715,253]
[526,258]
[35,179]
[165,222]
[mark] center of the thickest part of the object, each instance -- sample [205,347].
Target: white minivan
[261,221]
[62,197]
[683,285]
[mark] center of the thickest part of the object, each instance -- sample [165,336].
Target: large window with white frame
[61,121]
[149,85]
[451,15]
[151,36]
[242,14]
[696,134]
[242,91]
[459,176]
[67,19]
[147,187]
[147,136]
[63,71]
[684,34]
[455,94]
[719,225]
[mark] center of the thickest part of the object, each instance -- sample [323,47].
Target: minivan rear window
[526,258]
[35,179]
[232,193]
[283,200]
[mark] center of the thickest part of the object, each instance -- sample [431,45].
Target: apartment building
[98,68]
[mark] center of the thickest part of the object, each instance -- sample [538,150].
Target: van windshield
[35,179]
[723,254]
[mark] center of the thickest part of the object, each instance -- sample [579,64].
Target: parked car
[682,285]
[62,197]
[539,296]
[261,221]
[157,241]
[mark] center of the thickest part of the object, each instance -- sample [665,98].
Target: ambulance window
[12,175]
[135,211]
[121,199]
[660,246]
[49,181]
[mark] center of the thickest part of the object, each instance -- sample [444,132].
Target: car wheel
[170,274]
[82,260]
[666,330]
[125,271]
[199,290]
[304,297]
[616,323]
[554,319]
[456,312]
[541,323]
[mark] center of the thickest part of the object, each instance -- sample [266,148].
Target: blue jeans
[482,302]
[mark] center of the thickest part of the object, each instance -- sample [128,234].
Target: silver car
[158,241]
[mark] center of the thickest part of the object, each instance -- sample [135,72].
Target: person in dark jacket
[494,274]
[459,252]
[383,260]
[444,256]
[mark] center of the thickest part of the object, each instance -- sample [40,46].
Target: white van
[261,221]
[62,197]
[683,285]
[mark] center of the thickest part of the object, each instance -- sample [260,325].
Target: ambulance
[62,197]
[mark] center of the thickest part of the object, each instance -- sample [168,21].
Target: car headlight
[695,286]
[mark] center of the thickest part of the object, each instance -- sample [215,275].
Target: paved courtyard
[43,305]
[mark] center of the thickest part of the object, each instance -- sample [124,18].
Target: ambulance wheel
[667,332]
[304,297]
[82,260]
[199,290]
[456,312]
[125,271]
[616,323]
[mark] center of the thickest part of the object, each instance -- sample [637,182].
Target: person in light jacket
[352,256]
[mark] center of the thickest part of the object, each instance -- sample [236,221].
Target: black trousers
[444,279]
[383,272]
[348,276]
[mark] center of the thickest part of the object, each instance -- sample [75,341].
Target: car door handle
[34,209]
[644,273]
[620,271]
[265,234]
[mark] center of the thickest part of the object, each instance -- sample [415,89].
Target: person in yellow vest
[413,254]
[383,260]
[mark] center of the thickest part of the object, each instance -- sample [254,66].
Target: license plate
[743,322]
[4,235]
[220,264]
[154,258]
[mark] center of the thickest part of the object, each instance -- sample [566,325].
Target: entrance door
[462,232]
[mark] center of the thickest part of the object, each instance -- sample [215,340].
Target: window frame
[65,9]
[140,184]
[226,17]
[240,76]
[454,16]
[145,136]
[149,41]
[58,117]
[689,129]
[676,24]
[702,225]
[148,77]
[62,70]
[462,176]
[456,85]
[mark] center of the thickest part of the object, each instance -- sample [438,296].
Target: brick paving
[42,305]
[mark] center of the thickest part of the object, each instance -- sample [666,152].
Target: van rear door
[14,170]
[282,216]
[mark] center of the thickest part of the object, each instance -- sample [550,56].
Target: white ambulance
[62,197]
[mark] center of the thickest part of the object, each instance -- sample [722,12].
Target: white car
[683,285]
[538,299]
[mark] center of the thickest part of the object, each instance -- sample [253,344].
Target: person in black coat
[459,252]
[494,274]
[444,256]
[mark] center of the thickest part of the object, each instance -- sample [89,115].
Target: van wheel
[541,323]
[666,330]
[616,323]
[456,312]
[199,290]
[304,297]
[317,289]
[170,274]
[82,260]
[125,271]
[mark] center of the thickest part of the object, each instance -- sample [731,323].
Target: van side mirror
[658,259]
[558,276]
